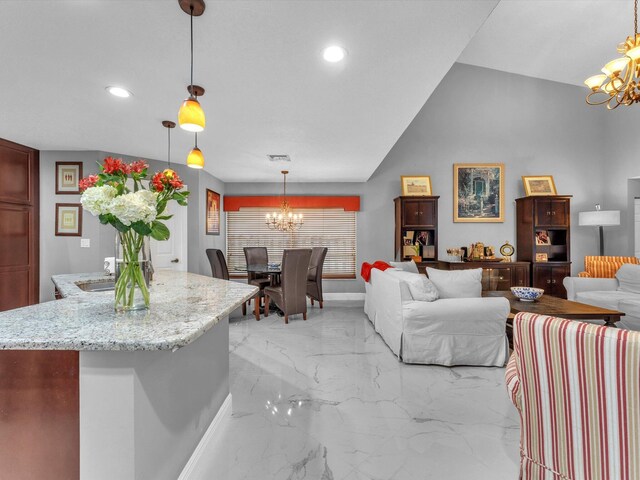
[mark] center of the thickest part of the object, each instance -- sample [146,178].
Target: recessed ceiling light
[334,53]
[119,92]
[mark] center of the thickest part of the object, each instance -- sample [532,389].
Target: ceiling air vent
[279,158]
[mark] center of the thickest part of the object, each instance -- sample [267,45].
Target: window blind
[331,228]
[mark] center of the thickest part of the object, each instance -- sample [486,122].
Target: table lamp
[599,218]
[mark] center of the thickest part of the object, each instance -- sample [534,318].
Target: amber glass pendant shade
[195,158]
[191,116]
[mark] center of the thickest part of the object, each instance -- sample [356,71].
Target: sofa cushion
[406,266]
[419,286]
[631,320]
[628,276]
[457,283]
[605,299]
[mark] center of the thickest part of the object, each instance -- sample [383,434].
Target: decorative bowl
[527,294]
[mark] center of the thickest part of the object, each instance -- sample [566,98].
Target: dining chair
[314,276]
[291,295]
[257,256]
[218,263]
[219,268]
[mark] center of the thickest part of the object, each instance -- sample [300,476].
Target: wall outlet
[85,243]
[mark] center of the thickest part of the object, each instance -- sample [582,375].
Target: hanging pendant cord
[635,14]
[169,147]
[196,139]
[191,18]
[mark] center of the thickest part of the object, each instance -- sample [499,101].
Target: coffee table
[559,307]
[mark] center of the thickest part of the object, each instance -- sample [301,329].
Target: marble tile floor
[326,399]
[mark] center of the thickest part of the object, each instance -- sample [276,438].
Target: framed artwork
[478,192]
[415,186]
[68,219]
[542,257]
[542,238]
[539,185]
[68,175]
[212,211]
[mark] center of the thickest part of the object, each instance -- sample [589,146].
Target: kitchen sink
[105,285]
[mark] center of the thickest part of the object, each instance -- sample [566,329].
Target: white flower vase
[133,271]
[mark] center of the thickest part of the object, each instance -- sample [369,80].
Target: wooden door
[557,277]
[542,278]
[559,210]
[543,212]
[19,223]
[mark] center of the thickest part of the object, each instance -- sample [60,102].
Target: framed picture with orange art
[68,175]
[212,213]
[539,185]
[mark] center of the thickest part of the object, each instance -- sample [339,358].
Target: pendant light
[195,159]
[169,125]
[191,116]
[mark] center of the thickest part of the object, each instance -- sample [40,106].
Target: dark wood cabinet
[416,222]
[544,238]
[549,277]
[495,275]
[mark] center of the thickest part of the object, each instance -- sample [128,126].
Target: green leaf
[121,227]
[104,218]
[159,231]
[164,217]
[141,228]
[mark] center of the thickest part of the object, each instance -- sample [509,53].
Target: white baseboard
[344,296]
[225,411]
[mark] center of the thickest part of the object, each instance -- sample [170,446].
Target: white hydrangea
[97,199]
[133,207]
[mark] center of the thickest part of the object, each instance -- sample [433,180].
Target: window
[327,227]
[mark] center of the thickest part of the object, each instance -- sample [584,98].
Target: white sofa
[621,294]
[451,331]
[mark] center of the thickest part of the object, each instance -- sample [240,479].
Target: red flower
[157,183]
[88,182]
[114,166]
[138,166]
[176,183]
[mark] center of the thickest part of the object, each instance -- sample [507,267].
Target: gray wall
[622,159]
[477,115]
[64,255]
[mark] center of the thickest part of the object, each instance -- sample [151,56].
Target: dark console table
[496,275]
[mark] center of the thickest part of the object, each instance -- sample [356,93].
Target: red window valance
[349,204]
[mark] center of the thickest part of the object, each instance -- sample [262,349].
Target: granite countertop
[183,307]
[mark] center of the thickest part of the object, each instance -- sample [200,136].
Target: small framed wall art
[68,219]
[68,175]
[413,186]
[212,220]
[478,192]
[539,185]
[542,257]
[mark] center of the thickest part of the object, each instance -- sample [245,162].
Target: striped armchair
[577,388]
[604,267]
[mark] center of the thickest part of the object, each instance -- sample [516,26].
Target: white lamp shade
[599,218]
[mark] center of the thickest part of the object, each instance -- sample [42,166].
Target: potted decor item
[417,258]
[118,197]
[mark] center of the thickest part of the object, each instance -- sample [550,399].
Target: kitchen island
[139,390]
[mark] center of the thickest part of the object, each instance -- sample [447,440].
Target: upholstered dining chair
[219,268]
[218,264]
[314,276]
[577,388]
[291,295]
[257,256]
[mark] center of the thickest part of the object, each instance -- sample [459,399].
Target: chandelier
[286,220]
[619,84]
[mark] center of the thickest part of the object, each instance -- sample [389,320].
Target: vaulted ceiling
[268,90]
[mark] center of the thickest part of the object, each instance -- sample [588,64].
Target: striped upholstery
[577,388]
[604,267]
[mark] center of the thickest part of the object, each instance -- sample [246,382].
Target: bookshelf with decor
[417,223]
[543,226]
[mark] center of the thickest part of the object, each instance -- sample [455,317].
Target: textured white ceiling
[268,89]
[560,40]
